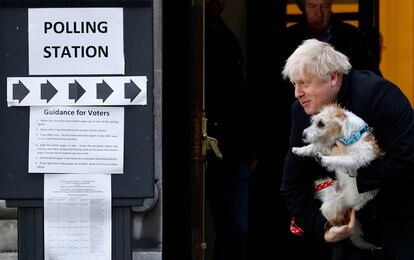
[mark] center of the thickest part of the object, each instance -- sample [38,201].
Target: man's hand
[338,233]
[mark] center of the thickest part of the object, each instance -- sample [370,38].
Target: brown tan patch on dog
[333,129]
[340,113]
[371,139]
[338,148]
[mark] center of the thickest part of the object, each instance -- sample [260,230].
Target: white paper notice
[69,41]
[76,140]
[77,216]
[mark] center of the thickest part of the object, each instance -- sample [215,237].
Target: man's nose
[298,92]
[319,12]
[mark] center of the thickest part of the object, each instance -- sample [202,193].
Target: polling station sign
[76,41]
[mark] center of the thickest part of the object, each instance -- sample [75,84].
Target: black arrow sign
[20,91]
[103,91]
[76,91]
[47,91]
[131,90]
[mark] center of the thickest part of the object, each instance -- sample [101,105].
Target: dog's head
[330,124]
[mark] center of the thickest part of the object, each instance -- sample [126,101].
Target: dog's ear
[351,124]
[342,118]
[346,128]
[340,114]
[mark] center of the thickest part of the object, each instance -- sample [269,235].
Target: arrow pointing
[131,90]
[47,91]
[76,91]
[20,91]
[103,91]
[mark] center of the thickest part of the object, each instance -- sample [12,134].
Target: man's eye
[326,6]
[320,124]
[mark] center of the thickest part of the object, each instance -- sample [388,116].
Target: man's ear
[334,78]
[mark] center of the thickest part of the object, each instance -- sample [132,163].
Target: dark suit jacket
[388,218]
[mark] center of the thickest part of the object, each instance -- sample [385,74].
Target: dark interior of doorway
[265,20]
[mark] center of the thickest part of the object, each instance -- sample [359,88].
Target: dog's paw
[324,160]
[297,151]
[318,157]
[328,162]
[308,150]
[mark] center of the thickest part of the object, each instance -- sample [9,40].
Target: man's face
[318,15]
[313,92]
[215,7]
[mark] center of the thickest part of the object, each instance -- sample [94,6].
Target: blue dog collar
[354,137]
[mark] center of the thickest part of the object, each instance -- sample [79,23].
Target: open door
[183,233]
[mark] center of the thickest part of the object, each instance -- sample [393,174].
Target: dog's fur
[330,124]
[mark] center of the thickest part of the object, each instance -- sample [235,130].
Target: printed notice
[77,216]
[68,41]
[76,140]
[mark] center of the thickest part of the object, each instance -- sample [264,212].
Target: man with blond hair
[320,76]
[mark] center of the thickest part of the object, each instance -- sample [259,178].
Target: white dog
[343,143]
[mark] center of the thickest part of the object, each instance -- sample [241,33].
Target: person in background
[320,76]
[319,22]
[228,179]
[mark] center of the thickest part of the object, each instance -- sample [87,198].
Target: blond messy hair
[316,58]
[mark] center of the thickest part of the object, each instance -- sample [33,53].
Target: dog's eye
[320,124]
